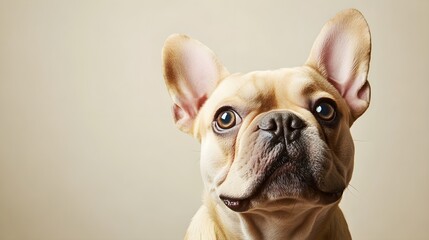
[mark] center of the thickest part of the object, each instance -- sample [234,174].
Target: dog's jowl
[276,149]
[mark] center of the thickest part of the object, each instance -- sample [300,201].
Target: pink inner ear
[201,73]
[364,92]
[358,96]
[178,113]
[338,58]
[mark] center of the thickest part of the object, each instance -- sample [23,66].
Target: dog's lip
[244,204]
[237,205]
[326,198]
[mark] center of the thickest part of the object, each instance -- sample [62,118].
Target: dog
[276,148]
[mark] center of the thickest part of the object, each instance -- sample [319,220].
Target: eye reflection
[325,111]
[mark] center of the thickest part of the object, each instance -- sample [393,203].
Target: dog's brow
[308,89]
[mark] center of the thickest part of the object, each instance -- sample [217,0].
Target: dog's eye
[227,119]
[325,110]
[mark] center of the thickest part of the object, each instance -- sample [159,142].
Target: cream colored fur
[233,161]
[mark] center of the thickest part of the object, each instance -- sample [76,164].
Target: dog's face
[269,135]
[274,137]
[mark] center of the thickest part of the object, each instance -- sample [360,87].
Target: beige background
[88,149]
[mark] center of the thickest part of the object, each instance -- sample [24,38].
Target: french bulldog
[276,148]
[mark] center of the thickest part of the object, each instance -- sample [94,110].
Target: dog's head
[270,136]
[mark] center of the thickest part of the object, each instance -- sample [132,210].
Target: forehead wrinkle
[258,92]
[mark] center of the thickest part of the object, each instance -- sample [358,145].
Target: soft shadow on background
[88,149]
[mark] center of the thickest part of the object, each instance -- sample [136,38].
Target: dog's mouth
[280,168]
[237,205]
[243,205]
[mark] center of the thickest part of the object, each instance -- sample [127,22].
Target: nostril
[268,125]
[296,123]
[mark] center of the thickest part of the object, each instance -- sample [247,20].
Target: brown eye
[325,110]
[227,119]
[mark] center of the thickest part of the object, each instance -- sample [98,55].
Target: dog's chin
[281,200]
[283,188]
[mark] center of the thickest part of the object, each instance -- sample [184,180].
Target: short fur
[279,171]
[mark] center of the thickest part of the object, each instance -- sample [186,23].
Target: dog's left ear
[191,73]
[341,53]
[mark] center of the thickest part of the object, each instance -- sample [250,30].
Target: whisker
[360,140]
[352,190]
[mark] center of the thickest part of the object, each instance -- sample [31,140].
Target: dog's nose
[285,125]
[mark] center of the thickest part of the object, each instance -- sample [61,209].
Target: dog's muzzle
[277,130]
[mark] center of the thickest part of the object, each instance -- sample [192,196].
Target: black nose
[284,125]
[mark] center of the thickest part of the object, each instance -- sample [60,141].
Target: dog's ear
[341,53]
[191,72]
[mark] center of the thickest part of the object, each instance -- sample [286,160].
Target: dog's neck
[294,222]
